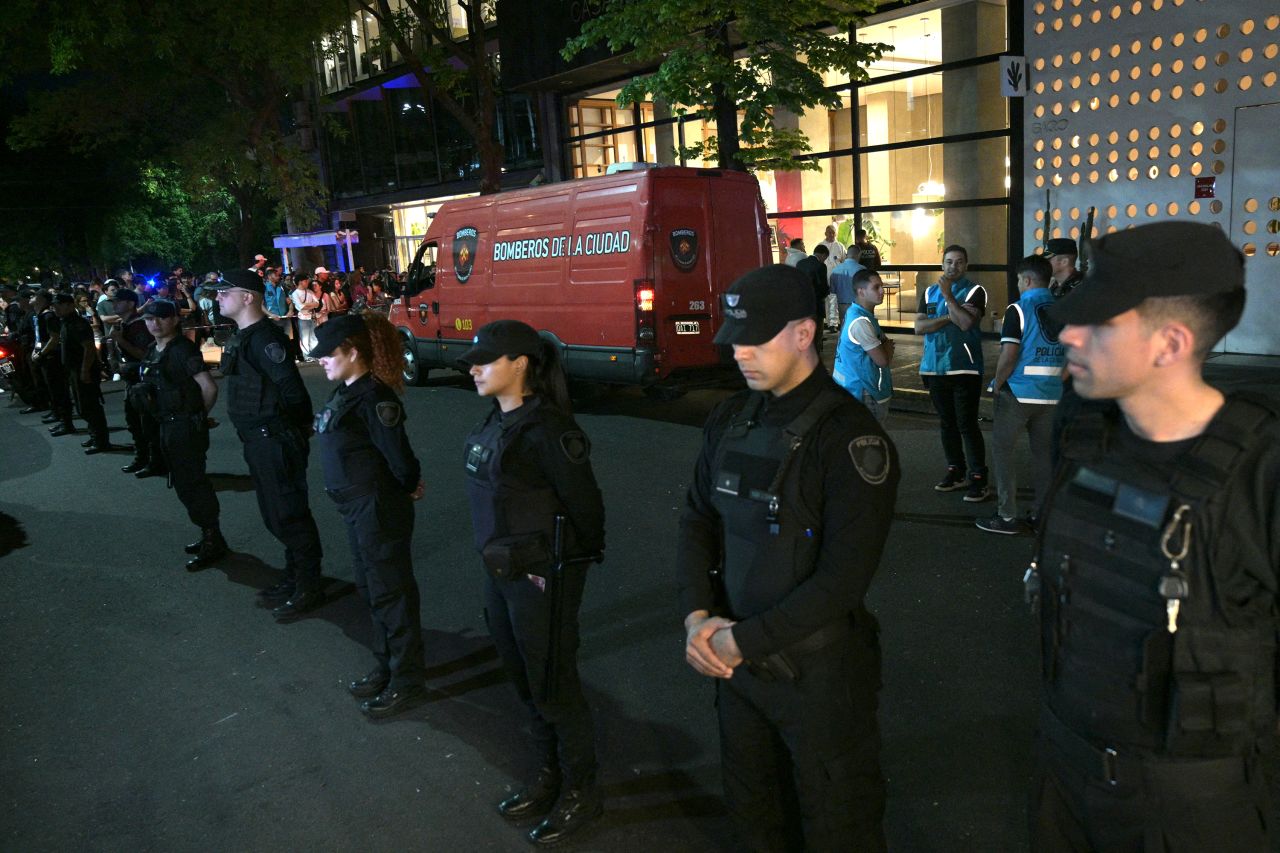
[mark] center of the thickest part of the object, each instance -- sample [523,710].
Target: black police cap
[1175,258]
[1060,246]
[511,338]
[761,303]
[160,308]
[240,280]
[330,335]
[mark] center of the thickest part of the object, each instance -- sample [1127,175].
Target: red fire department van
[624,272]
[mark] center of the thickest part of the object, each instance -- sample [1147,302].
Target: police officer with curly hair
[1158,563]
[373,477]
[527,464]
[271,411]
[786,516]
[175,389]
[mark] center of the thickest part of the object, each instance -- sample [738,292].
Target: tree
[458,74]
[163,219]
[202,91]
[693,43]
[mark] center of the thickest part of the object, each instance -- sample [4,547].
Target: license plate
[688,327]
[6,367]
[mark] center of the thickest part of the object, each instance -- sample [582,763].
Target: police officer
[84,370]
[1157,564]
[370,472]
[176,390]
[528,463]
[271,411]
[785,519]
[46,357]
[133,340]
[1061,253]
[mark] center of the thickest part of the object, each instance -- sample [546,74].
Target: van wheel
[663,393]
[413,371]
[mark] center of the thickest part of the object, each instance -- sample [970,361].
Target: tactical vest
[352,464]
[771,539]
[502,507]
[950,350]
[1122,541]
[250,395]
[1037,378]
[854,371]
[162,397]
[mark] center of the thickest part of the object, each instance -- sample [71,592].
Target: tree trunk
[726,107]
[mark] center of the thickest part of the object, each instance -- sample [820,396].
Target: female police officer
[528,463]
[372,475]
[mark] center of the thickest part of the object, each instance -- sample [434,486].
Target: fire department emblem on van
[465,242]
[684,248]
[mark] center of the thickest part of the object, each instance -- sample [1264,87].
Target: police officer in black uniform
[47,360]
[528,463]
[133,341]
[786,516]
[176,389]
[370,472]
[84,370]
[271,411]
[1156,567]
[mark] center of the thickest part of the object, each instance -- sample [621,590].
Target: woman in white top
[306,305]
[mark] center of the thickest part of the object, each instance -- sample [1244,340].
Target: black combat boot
[212,547]
[535,799]
[576,808]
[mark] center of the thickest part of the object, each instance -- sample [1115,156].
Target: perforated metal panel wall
[1132,101]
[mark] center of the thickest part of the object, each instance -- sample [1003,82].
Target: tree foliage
[208,91]
[788,46]
[459,74]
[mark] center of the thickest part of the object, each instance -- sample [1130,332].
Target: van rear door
[683,292]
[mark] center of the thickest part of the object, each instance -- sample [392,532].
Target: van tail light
[645,296]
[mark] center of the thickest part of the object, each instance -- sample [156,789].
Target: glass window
[947,172]
[948,34]
[932,105]
[518,130]
[457,149]
[344,157]
[414,141]
[376,148]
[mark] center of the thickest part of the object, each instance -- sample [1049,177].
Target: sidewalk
[1226,371]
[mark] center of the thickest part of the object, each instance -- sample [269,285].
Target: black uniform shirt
[44,326]
[180,362]
[135,333]
[266,349]
[76,334]
[552,450]
[855,505]
[372,420]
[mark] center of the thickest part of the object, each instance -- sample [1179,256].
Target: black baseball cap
[125,295]
[761,303]
[330,335]
[1174,258]
[1060,246]
[63,299]
[160,308]
[511,338]
[239,280]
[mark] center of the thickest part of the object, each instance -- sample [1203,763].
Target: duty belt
[1117,767]
[781,666]
[272,430]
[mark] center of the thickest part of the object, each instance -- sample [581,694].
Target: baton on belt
[556,589]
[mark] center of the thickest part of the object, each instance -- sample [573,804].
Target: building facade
[1130,104]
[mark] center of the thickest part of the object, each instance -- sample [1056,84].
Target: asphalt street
[146,708]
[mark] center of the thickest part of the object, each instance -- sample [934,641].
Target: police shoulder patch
[275,352]
[576,446]
[389,413]
[870,455]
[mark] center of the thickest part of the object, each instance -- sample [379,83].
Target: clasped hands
[709,644]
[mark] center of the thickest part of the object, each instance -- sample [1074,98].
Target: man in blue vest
[1027,387]
[948,316]
[1158,564]
[863,353]
[842,285]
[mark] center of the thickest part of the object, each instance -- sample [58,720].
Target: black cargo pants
[380,532]
[519,616]
[278,465]
[185,442]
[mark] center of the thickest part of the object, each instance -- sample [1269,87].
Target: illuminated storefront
[923,160]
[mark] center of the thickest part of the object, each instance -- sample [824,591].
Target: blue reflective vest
[1038,375]
[950,350]
[854,370]
[841,280]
